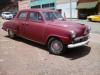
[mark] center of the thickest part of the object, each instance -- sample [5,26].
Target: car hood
[70,25]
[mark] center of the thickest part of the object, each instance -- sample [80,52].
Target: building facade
[23,4]
[88,7]
[50,4]
[66,7]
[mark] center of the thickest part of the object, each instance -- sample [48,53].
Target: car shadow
[76,53]
[72,54]
[34,44]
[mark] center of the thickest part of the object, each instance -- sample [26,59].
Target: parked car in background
[14,14]
[95,18]
[48,27]
[7,15]
[83,15]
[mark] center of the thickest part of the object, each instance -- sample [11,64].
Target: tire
[90,19]
[56,46]
[11,34]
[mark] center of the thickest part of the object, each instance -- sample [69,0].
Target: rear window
[23,15]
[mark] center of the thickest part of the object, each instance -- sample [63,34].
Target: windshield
[52,16]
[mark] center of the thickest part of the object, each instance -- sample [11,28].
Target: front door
[36,27]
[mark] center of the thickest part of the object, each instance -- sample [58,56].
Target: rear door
[22,21]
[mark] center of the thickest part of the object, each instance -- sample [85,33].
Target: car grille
[80,39]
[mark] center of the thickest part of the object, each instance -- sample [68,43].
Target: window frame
[21,13]
[35,20]
[51,18]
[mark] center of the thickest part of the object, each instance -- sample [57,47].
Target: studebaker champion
[49,28]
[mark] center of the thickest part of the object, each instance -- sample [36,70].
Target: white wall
[66,9]
[23,4]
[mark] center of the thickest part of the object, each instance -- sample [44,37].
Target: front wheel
[56,46]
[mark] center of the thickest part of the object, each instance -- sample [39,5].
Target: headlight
[73,34]
[89,27]
[87,30]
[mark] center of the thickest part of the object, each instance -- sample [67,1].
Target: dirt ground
[22,57]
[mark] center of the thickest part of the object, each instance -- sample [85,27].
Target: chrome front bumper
[78,44]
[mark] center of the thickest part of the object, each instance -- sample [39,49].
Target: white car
[7,15]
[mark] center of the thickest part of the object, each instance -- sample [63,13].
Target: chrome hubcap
[56,46]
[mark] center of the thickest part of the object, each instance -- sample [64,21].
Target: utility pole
[41,4]
[70,9]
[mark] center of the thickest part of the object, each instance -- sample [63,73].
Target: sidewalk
[2,21]
[95,38]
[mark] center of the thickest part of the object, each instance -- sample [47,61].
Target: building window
[38,6]
[45,5]
[52,4]
[48,5]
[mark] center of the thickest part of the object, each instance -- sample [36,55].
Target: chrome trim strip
[78,44]
[78,38]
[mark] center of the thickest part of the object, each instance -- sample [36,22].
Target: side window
[23,15]
[49,15]
[35,16]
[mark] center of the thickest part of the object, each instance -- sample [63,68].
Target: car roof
[6,12]
[40,10]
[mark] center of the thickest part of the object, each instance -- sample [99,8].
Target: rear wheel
[11,34]
[56,46]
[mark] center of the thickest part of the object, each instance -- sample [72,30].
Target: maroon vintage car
[49,28]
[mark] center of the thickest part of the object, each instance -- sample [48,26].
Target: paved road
[22,57]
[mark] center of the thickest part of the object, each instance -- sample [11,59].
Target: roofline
[37,10]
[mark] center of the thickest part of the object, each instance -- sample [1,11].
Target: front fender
[66,40]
